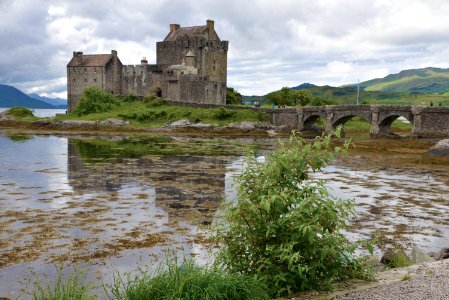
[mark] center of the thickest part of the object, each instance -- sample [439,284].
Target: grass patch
[406,277]
[96,105]
[188,282]
[155,114]
[21,113]
[71,288]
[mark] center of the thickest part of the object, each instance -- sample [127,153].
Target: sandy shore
[424,281]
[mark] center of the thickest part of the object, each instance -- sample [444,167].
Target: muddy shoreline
[51,127]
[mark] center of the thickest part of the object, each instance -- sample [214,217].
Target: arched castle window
[85,80]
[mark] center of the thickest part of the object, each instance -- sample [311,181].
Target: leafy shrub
[130,98]
[154,101]
[94,100]
[20,112]
[285,227]
[187,281]
[223,114]
[261,116]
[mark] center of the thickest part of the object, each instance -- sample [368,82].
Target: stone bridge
[427,121]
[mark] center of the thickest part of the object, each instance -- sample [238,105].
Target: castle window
[85,70]
[85,80]
[74,80]
[95,80]
[95,70]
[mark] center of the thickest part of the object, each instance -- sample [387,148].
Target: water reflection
[120,202]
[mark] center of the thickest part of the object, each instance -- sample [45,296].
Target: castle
[191,66]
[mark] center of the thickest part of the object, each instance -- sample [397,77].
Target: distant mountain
[303,86]
[426,80]
[57,102]
[10,97]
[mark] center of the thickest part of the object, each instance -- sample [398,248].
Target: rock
[387,258]
[440,149]
[76,123]
[203,126]
[395,258]
[443,254]
[180,123]
[4,116]
[114,122]
[247,126]
[419,257]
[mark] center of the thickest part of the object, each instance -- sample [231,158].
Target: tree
[301,97]
[233,97]
[275,98]
[285,229]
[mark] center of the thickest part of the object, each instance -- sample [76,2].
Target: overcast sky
[272,43]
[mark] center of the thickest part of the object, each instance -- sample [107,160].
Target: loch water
[116,203]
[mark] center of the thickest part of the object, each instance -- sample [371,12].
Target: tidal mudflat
[108,204]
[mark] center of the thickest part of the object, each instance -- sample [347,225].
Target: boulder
[180,123]
[419,257]
[395,258]
[114,122]
[443,254]
[440,149]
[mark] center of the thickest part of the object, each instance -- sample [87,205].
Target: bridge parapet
[427,121]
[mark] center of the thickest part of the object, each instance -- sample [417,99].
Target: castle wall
[197,89]
[140,80]
[113,77]
[78,78]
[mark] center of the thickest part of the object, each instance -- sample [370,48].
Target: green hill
[426,80]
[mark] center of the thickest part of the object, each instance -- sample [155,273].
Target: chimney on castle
[210,27]
[114,53]
[77,53]
[174,27]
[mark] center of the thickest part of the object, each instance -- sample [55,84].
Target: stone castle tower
[191,66]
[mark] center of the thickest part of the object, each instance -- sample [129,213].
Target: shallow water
[43,112]
[117,203]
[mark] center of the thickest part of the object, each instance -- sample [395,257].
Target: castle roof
[90,60]
[193,31]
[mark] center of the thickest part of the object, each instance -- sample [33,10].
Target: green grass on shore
[141,114]
[170,282]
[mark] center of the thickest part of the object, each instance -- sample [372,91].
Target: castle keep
[191,66]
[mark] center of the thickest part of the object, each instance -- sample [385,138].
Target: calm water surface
[42,113]
[117,203]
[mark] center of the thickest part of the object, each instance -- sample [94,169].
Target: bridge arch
[385,122]
[310,123]
[339,115]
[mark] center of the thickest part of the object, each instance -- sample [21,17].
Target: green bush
[154,101]
[20,112]
[187,281]
[223,114]
[94,100]
[285,228]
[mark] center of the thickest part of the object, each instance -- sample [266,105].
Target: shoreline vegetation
[99,111]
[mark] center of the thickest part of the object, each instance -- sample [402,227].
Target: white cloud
[272,44]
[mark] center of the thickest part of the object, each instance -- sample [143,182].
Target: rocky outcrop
[440,149]
[443,254]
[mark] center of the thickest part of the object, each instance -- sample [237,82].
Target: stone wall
[78,78]
[140,80]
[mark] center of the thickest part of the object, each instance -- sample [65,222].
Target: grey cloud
[271,43]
